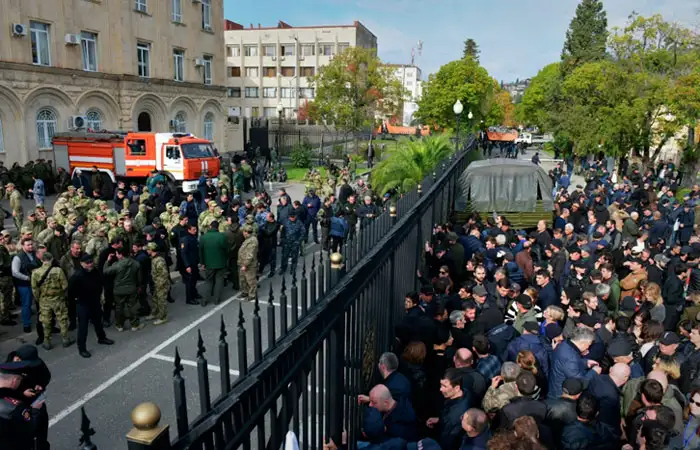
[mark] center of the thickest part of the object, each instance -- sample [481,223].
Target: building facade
[271,66]
[410,77]
[147,65]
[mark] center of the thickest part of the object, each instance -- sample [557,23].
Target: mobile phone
[39,399]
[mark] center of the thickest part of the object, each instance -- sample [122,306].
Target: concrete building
[410,77]
[120,65]
[269,66]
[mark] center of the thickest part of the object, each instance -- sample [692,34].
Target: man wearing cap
[161,284]
[85,289]
[291,242]
[562,411]
[49,285]
[620,350]
[630,284]
[667,346]
[248,264]
[213,253]
[523,310]
[15,204]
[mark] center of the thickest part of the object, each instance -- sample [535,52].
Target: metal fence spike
[222,331]
[241,319]
[201,349]
[177,363]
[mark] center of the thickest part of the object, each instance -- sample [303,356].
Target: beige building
[270,66]
[411,78]
[116,65]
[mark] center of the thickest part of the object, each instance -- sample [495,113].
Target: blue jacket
[533,343]
[567,362]
[499,337]
[608,395]
[547,296]
[480,442]
[398,385]
[472,245]
[38,191]
[400,422]
[315,202]
[338,227]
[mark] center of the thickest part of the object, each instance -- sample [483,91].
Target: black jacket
[560,412]
[451,431]
[473,385]
[522,406]
[86,287]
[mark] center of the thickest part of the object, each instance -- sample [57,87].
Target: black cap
[479,291]
[427,289]
[636,261]
[589,320]
[669,338]
[572,386]
[686,250]
[86,258]
[619,347]
[525,301]
[628,304]
[532,327]
[557,243]
[552,330]
[573,249]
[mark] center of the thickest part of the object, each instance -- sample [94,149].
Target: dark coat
[522,406]
[594,435]
[533,343]
[86,287]
[547,296]
[608,394]
[400,422]
[567,362]
[451,431]
[213,250]
[398,385]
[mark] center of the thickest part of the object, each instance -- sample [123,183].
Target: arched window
[46,124]
[209,126]
[94,120]
[180,122]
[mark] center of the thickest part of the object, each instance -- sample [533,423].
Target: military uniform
[248,264]
[127,279]
[161,285]
[97,243]
[49,285]
[16,206]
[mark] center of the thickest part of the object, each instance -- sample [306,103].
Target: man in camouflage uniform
[224,182]
[49,285]
[44,236]
[6,292]
[34,224]
[140,219]
[291,242]
[81,203]
[161,284]
[235,239]
[248,264]
[15,205]
[127,279]
[98,242]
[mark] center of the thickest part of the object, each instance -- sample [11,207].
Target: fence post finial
[147,433]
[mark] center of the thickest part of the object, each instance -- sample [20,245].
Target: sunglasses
[694,402]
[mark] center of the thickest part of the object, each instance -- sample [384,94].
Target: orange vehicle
[181,157]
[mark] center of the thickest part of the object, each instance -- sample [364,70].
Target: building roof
[233,26]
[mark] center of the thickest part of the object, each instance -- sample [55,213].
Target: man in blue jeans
[22,266]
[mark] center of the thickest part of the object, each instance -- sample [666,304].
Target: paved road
[139,366]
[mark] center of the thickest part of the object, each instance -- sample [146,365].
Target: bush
[302,156]
[338,151]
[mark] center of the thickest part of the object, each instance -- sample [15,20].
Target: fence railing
[334,321]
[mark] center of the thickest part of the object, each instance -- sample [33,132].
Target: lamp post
[280,109]
[457,108]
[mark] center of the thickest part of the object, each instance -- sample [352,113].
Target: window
[88,42]
[289,113]
[308,49]
[206,14]
[250,50]
[342,46]
[270,92]
[208,61]
[46,124]
[287,50]
[142,5]
[269,112]
[40,43]
[180,122]
[306,71]
[269,50]
[234,72]
[287,71]
[409,83]
[325,49]
[233,50]
[143,58]
[269,72]
[209,126]
[94,120]
[306,92]
[251,92]
[137,147]
[2,142]
[287,92]
[177,11]
[252,72]
[179,65]
[234,92]
[255,111]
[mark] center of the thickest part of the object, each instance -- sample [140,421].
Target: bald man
[475,424]
[387,418]
[473,383]
[606,388]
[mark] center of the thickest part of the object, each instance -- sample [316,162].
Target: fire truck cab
[181,157]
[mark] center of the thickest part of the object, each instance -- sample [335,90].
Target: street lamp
[280,109]
[457,108]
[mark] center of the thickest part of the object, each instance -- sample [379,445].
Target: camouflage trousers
[18,219]
[6,298]
[160,302]
[57,306]
[126,306]
[249,281]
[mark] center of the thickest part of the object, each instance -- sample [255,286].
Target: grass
[296,174]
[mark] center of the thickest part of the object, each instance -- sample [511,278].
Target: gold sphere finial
[336,258]
[392,211]
[145,416]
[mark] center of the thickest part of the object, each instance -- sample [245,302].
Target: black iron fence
[322,343]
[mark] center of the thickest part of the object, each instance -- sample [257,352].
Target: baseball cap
[572,386]
[532,327]
[557,243]
[524,301]
[669,338]
[552,330]
[86,258]
[152,246]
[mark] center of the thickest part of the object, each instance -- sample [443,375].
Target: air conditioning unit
[77,122]
[19,29]
[199,62]
[72,39]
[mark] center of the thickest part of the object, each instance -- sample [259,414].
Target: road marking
[187,362]
[121,374]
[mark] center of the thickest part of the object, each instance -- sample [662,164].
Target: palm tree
[410,162]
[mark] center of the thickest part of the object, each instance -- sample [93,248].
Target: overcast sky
[516,37]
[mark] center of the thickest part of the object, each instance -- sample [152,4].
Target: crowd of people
[581,335]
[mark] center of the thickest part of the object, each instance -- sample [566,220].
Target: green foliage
[538,103]
[302,154]
[471,49]
[463,80]
[354,88]
[410,162]
[338,151]
[587,36]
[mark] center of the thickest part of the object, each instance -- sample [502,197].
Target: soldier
[238,181]
[206,217]
[79,234]
[6,292]
[127,278]
[34,224]
[161,284]
[224,182]
[15,205]
[62,181]
[57,243]
[248,264]
[235,239]
[140,219]
[49,285]
[98,242]
[291,243]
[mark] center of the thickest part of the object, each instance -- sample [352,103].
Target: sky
[516,37]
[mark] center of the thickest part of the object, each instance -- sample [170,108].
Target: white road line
[121,374]
[187,362]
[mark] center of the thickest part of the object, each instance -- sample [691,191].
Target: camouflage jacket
[496,399]
[248,253]
[53,287]
[16,201]
[160,274]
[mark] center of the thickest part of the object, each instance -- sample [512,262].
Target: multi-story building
[271,66]
[410,77]
[119,65]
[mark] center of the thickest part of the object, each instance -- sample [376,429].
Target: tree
[410,162]
[506,108]
[587,36]
[463,80]
[354,89]
[538,103]
[471,49]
